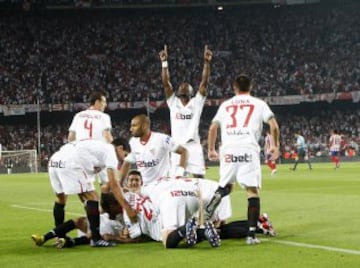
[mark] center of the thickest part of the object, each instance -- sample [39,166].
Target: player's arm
[71,136]
[124,171]
[183,156]
[119,196]
[108,136]
[212,154]
[165,75]
[275,136]
[206,71]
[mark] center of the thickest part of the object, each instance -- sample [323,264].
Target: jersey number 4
[89,126]
[247,109]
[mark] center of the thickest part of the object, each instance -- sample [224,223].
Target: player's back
[90,124]
[241,119]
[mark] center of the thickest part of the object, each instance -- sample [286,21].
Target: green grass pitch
[316,213]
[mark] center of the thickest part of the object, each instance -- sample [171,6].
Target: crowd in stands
[316,130]
[62,56]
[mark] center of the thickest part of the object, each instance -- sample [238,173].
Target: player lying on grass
[112,227]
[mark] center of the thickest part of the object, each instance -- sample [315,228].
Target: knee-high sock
[253,214]
[59,213]
[93,215]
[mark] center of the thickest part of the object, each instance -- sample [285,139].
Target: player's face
[184,91]
[134,182]
[136,128]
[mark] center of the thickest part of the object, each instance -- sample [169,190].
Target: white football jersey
[147,215]
[90,124]
[185,120]
[152,158]
[241,118]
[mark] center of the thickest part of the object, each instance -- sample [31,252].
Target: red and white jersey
[335,142]
[268,143]
[152,158]
[90,124]
[241,118]
[185,120]
[147,215]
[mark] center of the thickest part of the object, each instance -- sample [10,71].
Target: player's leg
[59,204]
[253,214]
[59,231]
[295,163]
[228,172]
[93,214]
[195,163]
[59,208]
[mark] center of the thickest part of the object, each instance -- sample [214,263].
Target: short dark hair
[134,172]
[96,95]
[243,82]
[122,142]
[108,200]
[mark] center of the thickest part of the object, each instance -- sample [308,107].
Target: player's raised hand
[163,54]
[207,54]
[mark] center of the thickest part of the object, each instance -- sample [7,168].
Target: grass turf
[316,214]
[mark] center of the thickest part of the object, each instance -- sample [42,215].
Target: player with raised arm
[240,119]
[334,145]
[185,112]
[150,152]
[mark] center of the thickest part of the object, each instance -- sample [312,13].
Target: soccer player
[334,144]
[176,201]
[150,152]
[267,150]
[92,123]
[302,151]
[240,119]
[185,112]
[72,171]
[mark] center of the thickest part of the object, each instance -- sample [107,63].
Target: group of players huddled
[166,197]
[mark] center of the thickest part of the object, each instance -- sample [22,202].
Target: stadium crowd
[289,51]
[315,128]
